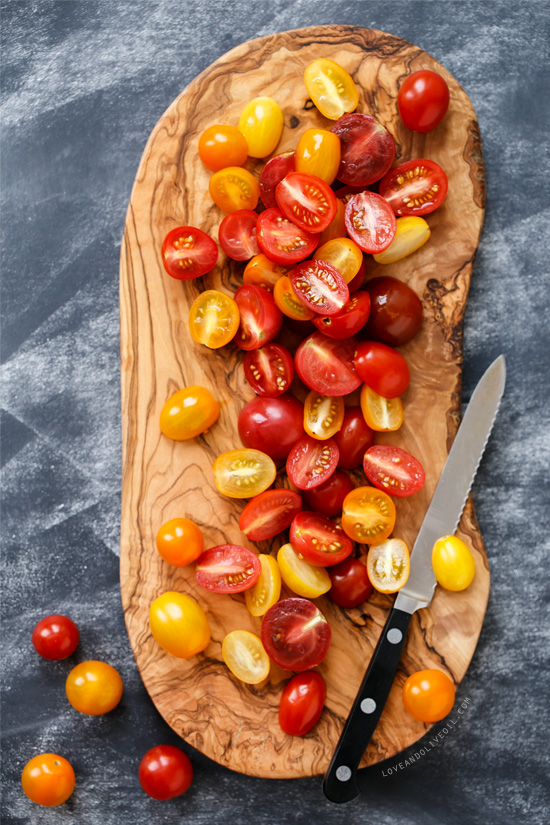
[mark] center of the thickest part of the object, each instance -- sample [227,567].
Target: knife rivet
[343,773]
[368,705]
[394,636]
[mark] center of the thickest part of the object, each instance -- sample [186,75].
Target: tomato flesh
[307,201]
[269,370]
[310,462]
[415,187]
[268,514]
[295,634]
[55,637]
[382,368]
[272,174]
[323,415]
[320,287]
[188,252]
[260,317]
[393,470]
[349,321]
[370,221]
[367,149]
[330,87]
[302,703]
[213,319]
[326,364]
[388,565]
[272,425]
[423,100]
[243,473]
[290,304]
[329,496]
[234,188]
[368,515]
[353,438]
[395,312]
[244,655]
[281,240]
[227,568]
[237,235]
[165,772]
[351,585]
[318,540]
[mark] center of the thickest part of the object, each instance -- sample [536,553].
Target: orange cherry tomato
[337,227]
[261,123]
[323,415]
[234,188]
[48,779]
[188,413]
[381,414]
[94,688]
[243,473]
[388,565]
[289,303]
[221,146]
[331,88]
[260,271]
[318,153]
[343,254]
[428,695]
[180,541]
[368,515]
[179,624]
[213,319]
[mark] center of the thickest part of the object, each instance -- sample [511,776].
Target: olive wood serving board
[233,723]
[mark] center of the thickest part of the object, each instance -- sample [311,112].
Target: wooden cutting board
[230,722]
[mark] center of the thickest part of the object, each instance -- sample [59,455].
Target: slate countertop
[83,84]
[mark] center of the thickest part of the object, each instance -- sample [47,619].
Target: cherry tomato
[188,253]
[268,514]
[349,321]
[318,540]
[272,425]
[393,470]
[221,145]
[337,227]
[228,568]
[415,187]
[428,695]
[357,282]
[48,779]
[329,496]
[237,235]
[310,462]
[423,100]
[353,438]
[281,240]
[269,370]
[382,368]
[260,271]
[381,414]
[367,148]
[453,563]
[179,624]
[388,565]
[234,188]
[243,473]
[272,174]
[263,595]
[307,201]
[370,221]
[331,88]
[289,302]
[302,578]
[260,317]
[350,583]
[320,287]
[318,153]
[302,703]
[55,637]
[188,413]
[395,311]
[261,122]
[410,234]
[368,515]
[213,319]
[326,365]
[94,688]
[180,541]
[244,655]
[165,772]
[323,415]
[343,254]
[295,634]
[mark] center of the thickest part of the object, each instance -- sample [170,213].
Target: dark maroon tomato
[318,540]
[269,513]
[295,634]
[320,287]
[269,370]
[326,364]
[328,497]
[261,318]
[310,462]
[351,318]
[302,703]
[55,637]
[393,470]
[228,568]
[165,772]
[423,100]
[367,149]
[382,368]
[358,280]
[353,438]
[237,235]
[272,174]
[281,241]
[395,311]
[415,187]
[272,425]
[370,222]
[350,583]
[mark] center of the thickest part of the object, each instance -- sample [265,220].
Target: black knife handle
[340,782]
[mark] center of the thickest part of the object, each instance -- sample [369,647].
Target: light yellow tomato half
[243,473]
[343,254]
[301,577]
[213,319]
[410,235]
[323,415]
[453,563]
[381,414]
[261,122]
[388,565]
[267,589]
[331,88]
[245,656]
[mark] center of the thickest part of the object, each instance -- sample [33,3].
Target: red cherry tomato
[326,364]
[358,280]
[272,174]
[310,462]
[269,513]
[269,370]
[415,187]
[237,235]
[282,241]
[260,317]
[320,287]
[188,253]
[349,321]
[353,438]
[307,201]
[370,221]
[165,772]
[302,703]
[318,540]
[395,311]
[295,634]
[423,100]
[55,637]
[393,470]
[328,497]
[382,368]
[228,568]
[272,425]
[351,585]
[367,149]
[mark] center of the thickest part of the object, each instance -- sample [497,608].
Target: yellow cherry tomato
[267,589]
[48,779]
[331,88]
[261,122]
[381,414]
[245,656]
[301,577]
[289,303]
[213,319]
[260,271]
[453,563]
[410,235]
[94,688]
[188,413]
[343,254]
[323,415]
[318,153]
[388,565]
[337,227]
[179,541]
[234,188]
[368,515]
[179,624]
[221,146]
[428,695]
[243,473]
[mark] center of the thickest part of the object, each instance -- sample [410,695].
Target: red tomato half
[302,703]
[260,317]
[272,174]
[269,370]
[237,235]
[272,425]
[415,187]
[320,287]
[282,241]
[351,585]
[382,368]
[395,311]
[318,540]
[188,253]
[329,496]
[351,318]
[269,513]
[55,637]
[353,438]
[310,462]
[326,364]
[367,149]
[307,201]
[423,100]
[295,634]
[370,221]
[228,568]
[165,772]
[393,470]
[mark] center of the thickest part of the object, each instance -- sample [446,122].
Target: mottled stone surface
[83,83]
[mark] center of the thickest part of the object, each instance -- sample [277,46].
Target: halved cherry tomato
[307,201]
[382,368]
[221,145]
[261,122]
[370,221]
[295,634]
[48,779]
[423,100]
[188,253]
[350,583]
[318,540]
[319,286]
[318,153]
[302,578]
[415,187]
[368,515]
[179,624]
[94,688]
[326,365]
[268,514]
[272,425]
[329,496]
[245,656]
[269,370]
[343,254]
[368,149]
[228,568]
[188,413]
[349,321]
[395,311]
[428,695]
[281,240]
[234,188]
[165,772]
[411,233]
[213,319]
[55,637]
[453,563]
[331,88]
[310,462]
[260,317]
[393,470]
[263,595]
[180,541]
[381,414]
[337,227]
[353,438]
[272,174]
[388,565]
[302,703]
[323,415]
[243,473]
[237,235]
[289,302]
[260,271]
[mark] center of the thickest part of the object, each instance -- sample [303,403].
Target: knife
[442,517]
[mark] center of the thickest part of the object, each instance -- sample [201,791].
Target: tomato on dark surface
[326,364]
[302,703]
[269,370]
[165,772]
[295,634]
[269,513]
[237,235]
[310,462]
[307,201]
[423,100]
[228,568]
[260,317]
[329,496]
[320,287]
[351,585]
[272,425]
[353,438]
[393,470]
[351,318]
[370,221]
[367,149]
[395,311]
[415,187]
[188,252]
[318,540]
[281,240]
[272,174]
[55,637]
[382,368]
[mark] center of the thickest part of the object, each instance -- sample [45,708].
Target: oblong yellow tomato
[381,414]
[368,515]
[388,565]
[343,254]
[289,303]
[267,589]
[318,153]
[94,688]
[188,413]
[453,563]
[221,145]
[411,233]
[301,577]
[213,319]
[331,88]
[261,122]
[234,188]
[243,473]
[179,624]
[260,271]
[245,656]
[323,415]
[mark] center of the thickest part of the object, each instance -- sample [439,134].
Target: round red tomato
[307,201]
[393,470]
[415,187]
[228,568]
[423,100]
[302,703]
[237,234]
[318,540]
[55,637]
[367,149]
[353,438]
[272,425]
[269,370]
[269,513]
[282,241]
[320,287]
[272,174]
[395,311]
[382,368]
[165,772]
[188,252]
[260,317]
[370,221]
[351,318]
[351,585]
[310,462]
[328,497]
[295,634]
[326,364]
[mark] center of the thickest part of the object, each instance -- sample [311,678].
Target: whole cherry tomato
[272,425]
[351,585]
[165,772]
[453,563]
[349,321]
[395,311]
[55,637]
[179,624]
[221,146]
[48,779]
[188,413]
[423,100]
[329,496]
[94,688]
[261,122]
[353,438]
[302,703]
[382,368]
[428,695]
[180,541]
[318,153]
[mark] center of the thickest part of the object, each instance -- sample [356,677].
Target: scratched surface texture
[83,84]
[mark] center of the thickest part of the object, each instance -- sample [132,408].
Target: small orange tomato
[331,88]
[260,271]
[381,414]
[428,695]
[337,227]
[221,146]
[234,188]
[318,153]
[289,303]
[368,515]
[388,565]
[94,688]
[48,779]
[179,624]
[180,541]
[323,415]
[261,122]
[343,254]
[213,319]
[243,473]
[188,413]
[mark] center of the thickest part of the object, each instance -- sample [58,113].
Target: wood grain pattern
[230,722]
